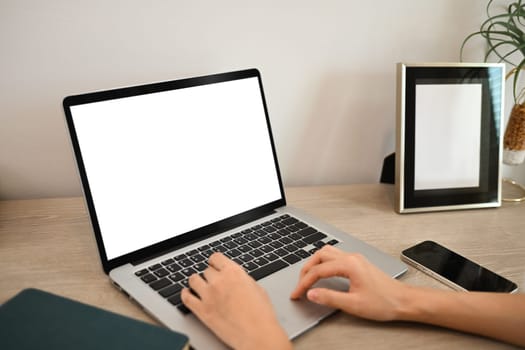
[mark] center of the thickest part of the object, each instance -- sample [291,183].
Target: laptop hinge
[201,238]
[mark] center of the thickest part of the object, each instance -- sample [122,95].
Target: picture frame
[448,136]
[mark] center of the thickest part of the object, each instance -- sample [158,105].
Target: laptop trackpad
[297,316]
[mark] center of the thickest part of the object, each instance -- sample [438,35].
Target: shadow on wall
[349,131]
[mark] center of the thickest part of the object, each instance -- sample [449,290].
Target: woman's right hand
[372,294]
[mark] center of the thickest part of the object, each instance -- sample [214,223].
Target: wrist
[409,304]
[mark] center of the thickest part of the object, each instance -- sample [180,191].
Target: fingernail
[312,295]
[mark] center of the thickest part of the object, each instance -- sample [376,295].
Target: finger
[326,253]
[324,270]
[219,261]
[210,274]
[192,302]
[331,298]
[198,284]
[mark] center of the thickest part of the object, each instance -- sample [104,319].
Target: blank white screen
[448,134]
[163,164]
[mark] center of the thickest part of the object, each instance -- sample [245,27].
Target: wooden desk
[49,244]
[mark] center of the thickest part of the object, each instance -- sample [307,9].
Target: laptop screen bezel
[188,237]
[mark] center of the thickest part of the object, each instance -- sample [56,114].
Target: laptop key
[290,221]
[200,266]
[245,248]
[291,248]
[284,232]
[220,248]
[161,272]
[148,278]
[203,248]
[255,244]
[168,261]
[274,236]
[285,240]
[319,244]
[301,225]
[269,229]
[281,252]
[295,236]
[141,272]
[314,238]
[292,259]
[302,253]
[175,299]
[180,257]
[313,250]
[182,308]
[177,276]
[264,240]
[188,271]
[155,267]
[250,236]
[160,284]
[207,253]
[240,240]
[307,231]
[174,288]
[266,270]
[215,243]
[233,253]
[197,258]
[192,252]
[249,266]
[230,245]
[300,244]
[245,257]
[271,256]
[174,267]
[260,233]
[185,263]
[261,261]
[333,242]
[225,239]
[279,225]
[256,253]
[276,244]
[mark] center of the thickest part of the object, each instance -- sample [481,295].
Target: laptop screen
[165,163]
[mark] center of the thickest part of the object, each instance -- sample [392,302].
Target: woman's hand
[372,293]
[234,306]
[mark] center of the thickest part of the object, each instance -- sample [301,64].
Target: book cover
[35,319]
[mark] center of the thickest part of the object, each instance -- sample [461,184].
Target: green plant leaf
[504,34]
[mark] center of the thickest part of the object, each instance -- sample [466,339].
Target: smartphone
[455,270]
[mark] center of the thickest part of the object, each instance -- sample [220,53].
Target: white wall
[328,69]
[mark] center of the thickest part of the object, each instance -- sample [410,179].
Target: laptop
[174,171]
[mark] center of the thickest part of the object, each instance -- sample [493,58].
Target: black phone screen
[457,269]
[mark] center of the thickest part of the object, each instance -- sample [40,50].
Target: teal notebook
[35,319]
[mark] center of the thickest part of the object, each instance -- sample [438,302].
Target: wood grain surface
[49,244]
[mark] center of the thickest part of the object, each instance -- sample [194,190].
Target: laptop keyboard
[261,250]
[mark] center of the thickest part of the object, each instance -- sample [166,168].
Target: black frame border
[488,193]
[189,237]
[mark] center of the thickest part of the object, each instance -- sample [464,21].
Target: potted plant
[504,33]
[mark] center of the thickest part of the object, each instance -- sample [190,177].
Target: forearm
[495,315]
